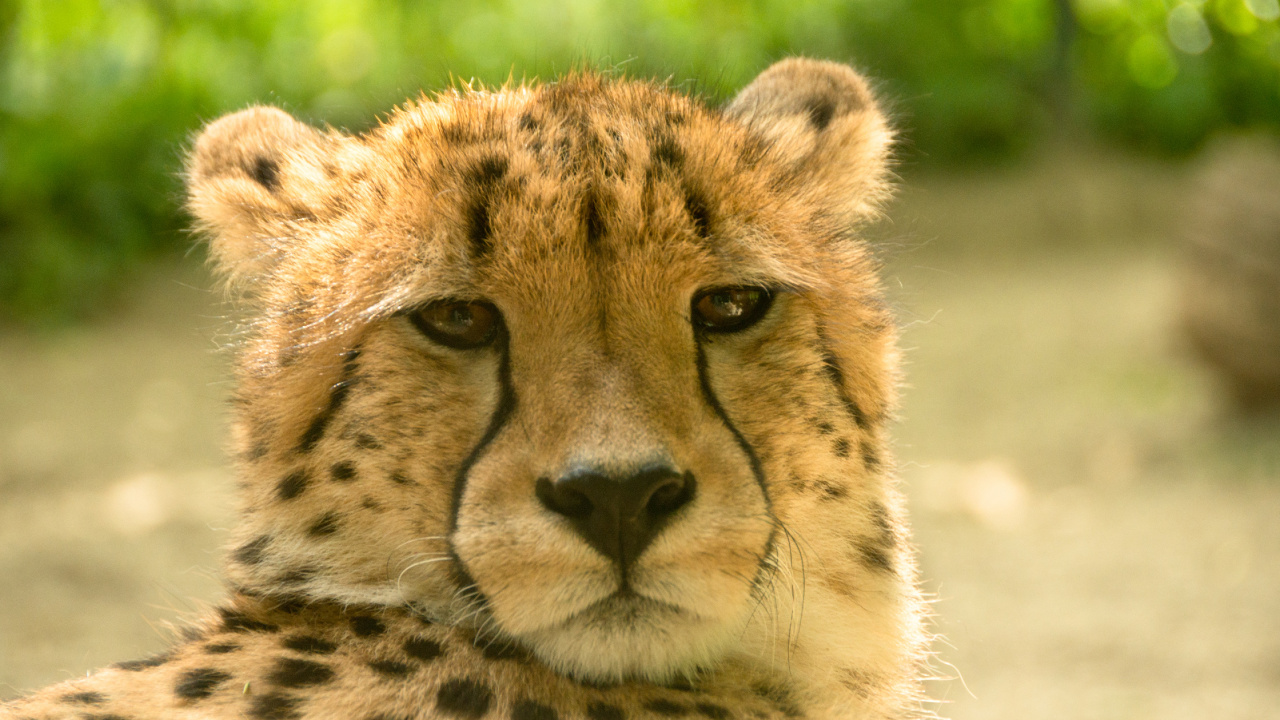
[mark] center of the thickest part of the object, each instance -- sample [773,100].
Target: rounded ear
[822,117]
[253,178]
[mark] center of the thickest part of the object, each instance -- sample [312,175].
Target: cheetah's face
[520,357]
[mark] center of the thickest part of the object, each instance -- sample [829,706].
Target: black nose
[618,514]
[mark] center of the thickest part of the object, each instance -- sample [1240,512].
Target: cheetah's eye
[456,323]
[730,309]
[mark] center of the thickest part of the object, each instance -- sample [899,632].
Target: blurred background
[1085,257]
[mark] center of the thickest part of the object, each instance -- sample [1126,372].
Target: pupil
[727,305]
[461,317]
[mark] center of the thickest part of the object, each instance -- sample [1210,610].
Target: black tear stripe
[831,364]
[757,469]
[506,406]
[337,396]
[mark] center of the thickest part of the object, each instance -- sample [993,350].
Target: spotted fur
[392,561]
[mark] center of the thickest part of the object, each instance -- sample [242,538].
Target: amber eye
[730,309]
[457,324]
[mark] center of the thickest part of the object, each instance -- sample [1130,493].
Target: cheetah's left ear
[258,181]
[823,117]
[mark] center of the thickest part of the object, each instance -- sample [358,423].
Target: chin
[631,637]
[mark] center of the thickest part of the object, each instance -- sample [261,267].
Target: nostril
[671,495]
[617,514]
[562,499]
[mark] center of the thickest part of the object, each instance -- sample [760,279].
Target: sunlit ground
[1099,532]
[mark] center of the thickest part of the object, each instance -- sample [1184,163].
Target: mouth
[628,606]
[629,636]
[623,609]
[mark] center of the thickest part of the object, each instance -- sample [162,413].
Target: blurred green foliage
[97,99]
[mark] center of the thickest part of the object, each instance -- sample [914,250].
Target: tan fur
[385,475]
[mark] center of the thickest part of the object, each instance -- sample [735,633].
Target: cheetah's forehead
[576,184]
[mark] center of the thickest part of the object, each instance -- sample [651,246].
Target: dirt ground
[1099,531]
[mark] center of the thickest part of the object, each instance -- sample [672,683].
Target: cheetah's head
[587,365]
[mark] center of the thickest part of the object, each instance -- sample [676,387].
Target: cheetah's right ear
[255,180]
[823,119]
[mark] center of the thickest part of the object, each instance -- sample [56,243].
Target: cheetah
[556,401]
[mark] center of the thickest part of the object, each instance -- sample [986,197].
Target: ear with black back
[823,118]
[256,180]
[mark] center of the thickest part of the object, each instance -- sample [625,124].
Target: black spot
[199,683]
[85,698]
[528,122]
[391,668]
[266,172]
[343,472]
[489,170]
[251,552]
[499,649]
[666,153]
[366,626]
[832,365]
[102,716]
[309,644]
[324,526]
[399,478]
[875,557]
[295,673]
[715,712]
[681,684]
[826,428]
[699,213]
[423,649]
[478,219]
[483,177]
[235,621]
[530,710]
[870,458]
[221,648]
[298,576]
[600,711]
[464,699]
[456,133]
[337,396]
[292,485]
[831,489]
[841,448]
[780,697]
[143,664]
[290,604]
[821,110]
[367,442]
[880,516]
[274,706]
[384,716]
[592,220]
[666,708]
[597,684]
